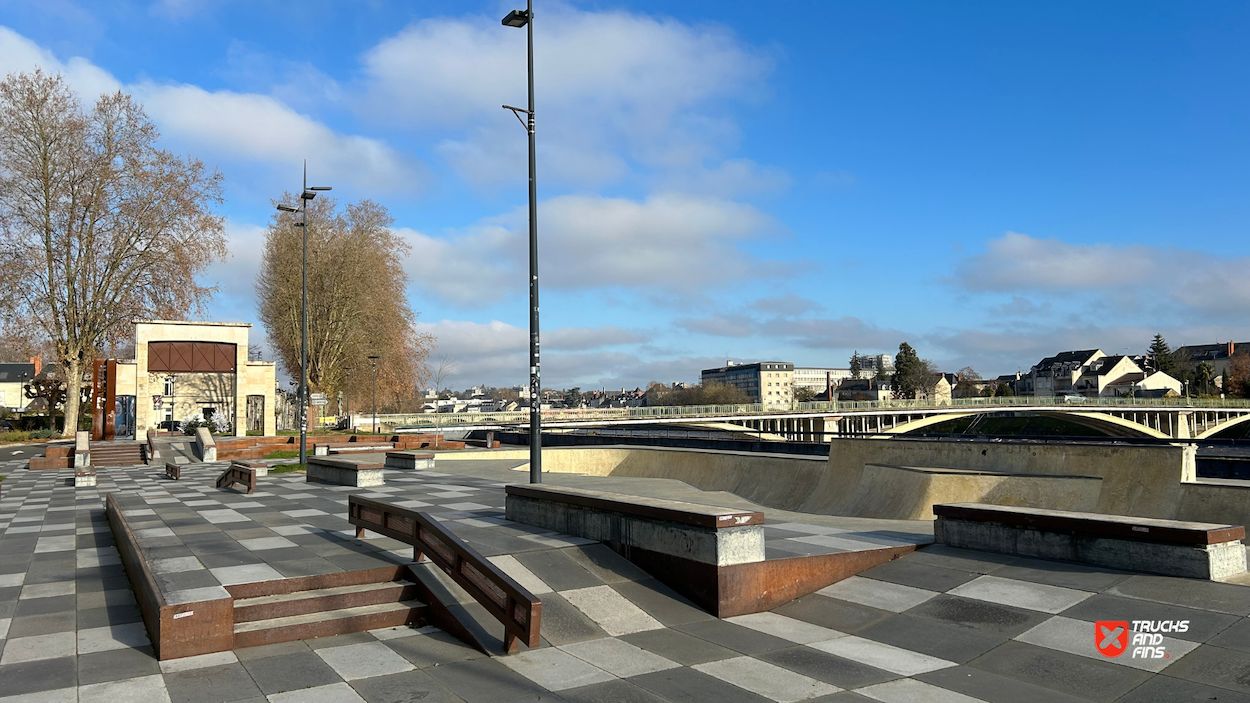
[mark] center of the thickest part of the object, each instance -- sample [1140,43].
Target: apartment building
[768,382]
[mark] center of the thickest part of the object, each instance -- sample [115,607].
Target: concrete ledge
[699,533]
[344,473]
[260,467]
[410,460]
[82,449]
[85,476]
[183,628]
[1168,547]
[205,446]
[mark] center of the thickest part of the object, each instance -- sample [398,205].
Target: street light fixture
[306,194]
[373,359]
[518,19]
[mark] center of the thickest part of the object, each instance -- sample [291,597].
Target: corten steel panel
[1122,527]
[110,401]
[755,587]
[191,357]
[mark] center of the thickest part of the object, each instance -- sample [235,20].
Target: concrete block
[344,476]
[321,450]
[1213,561]
[205,446]
[723,547]
[410,460]
[85,478]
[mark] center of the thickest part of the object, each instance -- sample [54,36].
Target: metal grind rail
[507,601]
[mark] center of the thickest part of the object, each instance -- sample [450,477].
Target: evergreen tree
[907,372]
[857,368]
[1161,356]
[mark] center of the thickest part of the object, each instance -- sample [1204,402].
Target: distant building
[818,379]
[1217,355]
[871,364]
[864,389]
[768,382]
[12,379]
[1058,374]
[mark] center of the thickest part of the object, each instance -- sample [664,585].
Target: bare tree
[357,302]
[446,368]
[97,225]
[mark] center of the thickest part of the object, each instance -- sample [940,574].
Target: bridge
[1158,418]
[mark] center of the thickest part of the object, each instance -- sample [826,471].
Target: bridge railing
[428,421]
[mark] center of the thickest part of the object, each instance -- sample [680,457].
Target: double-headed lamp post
[308,193]
[373,359]
[525,18]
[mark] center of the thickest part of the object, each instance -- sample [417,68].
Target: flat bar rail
[509,602]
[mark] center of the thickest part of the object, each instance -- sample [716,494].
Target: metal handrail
[509,602]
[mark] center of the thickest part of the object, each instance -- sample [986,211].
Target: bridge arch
[1210,432]
[1109,424]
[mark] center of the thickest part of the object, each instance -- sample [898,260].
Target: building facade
[770,383]
[13,379]
[185,368]
[818,379]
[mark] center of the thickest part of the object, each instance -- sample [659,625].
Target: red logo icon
[1111,637]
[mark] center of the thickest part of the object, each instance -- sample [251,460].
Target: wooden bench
[173,471]
[238,473]
[1168,547]
[85,476]
[509,602]
[344,472]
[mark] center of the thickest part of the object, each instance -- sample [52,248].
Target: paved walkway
[939,625]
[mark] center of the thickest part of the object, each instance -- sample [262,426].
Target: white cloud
[611,88]
[678,244]
[18,54]
[1132,277]
[252,127]
[495,353]
[240,127]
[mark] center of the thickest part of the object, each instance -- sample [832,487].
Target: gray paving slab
[833,614]
[661,602]
[918,575]
[288,672]
[830,668]
[117,664]
[1067,673]
[1215,666]
[939,639]
[979,616]
[993,688]
[404,687]
[685,685]
[487,681]
[1166,689]
[617,691]
[679,646]
[1203,624]
[563,623]
[1205,595]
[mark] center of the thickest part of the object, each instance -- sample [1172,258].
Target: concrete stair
[117,454]
[324,607]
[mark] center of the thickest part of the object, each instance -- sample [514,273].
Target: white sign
[320,401]
[157,402]
[317,396]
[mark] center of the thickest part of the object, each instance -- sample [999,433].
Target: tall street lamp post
[525,18]
[373,359]
[347,398]
[305,195]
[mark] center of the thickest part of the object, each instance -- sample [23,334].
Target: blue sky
[992,183]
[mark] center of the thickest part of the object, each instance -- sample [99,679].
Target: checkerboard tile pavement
[938,625]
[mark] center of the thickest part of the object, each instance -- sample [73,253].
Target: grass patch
[286,469]
[283,454]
